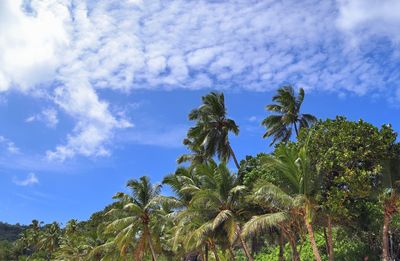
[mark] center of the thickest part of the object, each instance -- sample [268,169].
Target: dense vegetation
[10,232]
[329,190]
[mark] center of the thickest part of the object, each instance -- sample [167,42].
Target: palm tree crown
[212,128]
[288,116]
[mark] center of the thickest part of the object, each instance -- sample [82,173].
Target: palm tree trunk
[150,241]
[312,238]
[326,240]
[234,156]
[296,130]
[385,239]
[214,249]
[206,252]
[246,250]
[330,240]
[293,245]
[281,247]
[232,253]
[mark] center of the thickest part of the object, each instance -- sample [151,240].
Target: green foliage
[252,170]
[6,250]
[347,248]
[349,156]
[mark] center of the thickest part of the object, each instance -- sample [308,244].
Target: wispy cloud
[9,145]
[47,116]
[253,119]
[68,51]
[30,180]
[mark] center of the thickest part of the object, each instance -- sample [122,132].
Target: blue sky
[93,93]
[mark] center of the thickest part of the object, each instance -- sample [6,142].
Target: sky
[93,93]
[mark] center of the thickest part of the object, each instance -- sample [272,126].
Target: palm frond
[260,223]
[222,216]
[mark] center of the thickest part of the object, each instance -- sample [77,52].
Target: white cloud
[371,16]
[48,116]
[31,45]
[9,145]
[253,119]
[94,122]
[30,180]
[68,52]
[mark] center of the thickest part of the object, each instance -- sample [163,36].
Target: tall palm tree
[133,222]
[211,132]
[391,196]
[288,116]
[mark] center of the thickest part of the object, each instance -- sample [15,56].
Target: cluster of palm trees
[36,238]
[212,208]
[211,214]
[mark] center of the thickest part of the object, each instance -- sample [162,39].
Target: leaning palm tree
[132,226]
[211,132]
[280,125]
[391,196]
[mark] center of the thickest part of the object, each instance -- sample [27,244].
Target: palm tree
[216,203]
[280,211]
[295,168]
[211,132]
[391,196]
[35,229]
[288,115]
[71,227]
[74,244]
[50,239]
[197,155]
[183,183]
[135,217]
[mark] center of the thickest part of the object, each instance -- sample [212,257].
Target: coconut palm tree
[391,196]
[197,155]
[280,211]
[132,226]
[295,168]
[288,116]
[218,202]
[211,132]
[183,183]
[50,239]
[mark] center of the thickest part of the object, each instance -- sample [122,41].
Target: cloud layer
[67,51]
